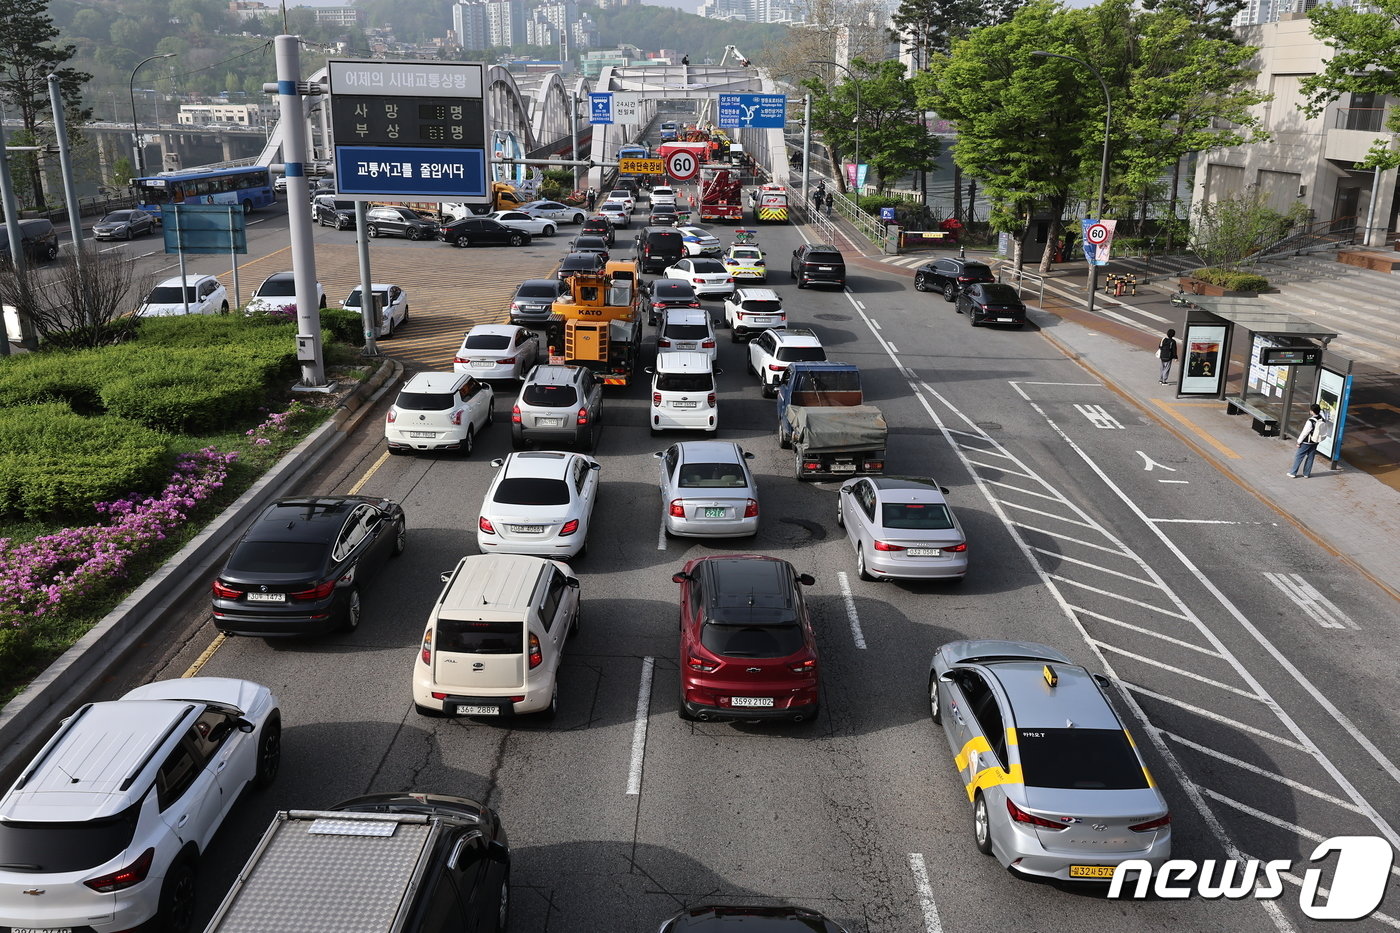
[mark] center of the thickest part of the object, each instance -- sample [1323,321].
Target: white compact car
[540,503]
[663,196]
[706,276]
[519,220]
[278,292]
[393,304]
[902,527]
[699,242]
[104,829]
[683,394]
[439,411]
[708,490]
[497,351]
[616,213]
[205,294]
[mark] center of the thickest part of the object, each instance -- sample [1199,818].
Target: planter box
[1197,287]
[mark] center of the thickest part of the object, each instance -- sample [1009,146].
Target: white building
[206,114]
[469,24]
[505,22]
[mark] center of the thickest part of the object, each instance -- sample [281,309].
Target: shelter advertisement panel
[1333,394]
[1202,359]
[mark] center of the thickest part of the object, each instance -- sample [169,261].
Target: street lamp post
[855,84]
[1103,166]
[135,125]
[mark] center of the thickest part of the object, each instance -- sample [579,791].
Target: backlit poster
[1333,390]
[1202,359]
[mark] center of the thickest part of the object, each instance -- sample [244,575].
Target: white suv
[687,329]
[439,411]
[683,392]
[750,311]
[104,828]
[771,352]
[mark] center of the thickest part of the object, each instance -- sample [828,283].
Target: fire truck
[720,194]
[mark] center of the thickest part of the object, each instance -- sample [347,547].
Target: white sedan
[204,294]
[617,213]
[278,295]
[699,242]
[519,220]
[706,276]
[540,503]
[555,211]
[497,351]
[393,303]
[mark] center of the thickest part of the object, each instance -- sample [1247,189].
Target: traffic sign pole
[313,370]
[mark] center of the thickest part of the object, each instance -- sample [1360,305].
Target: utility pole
[807,148]
[65,161]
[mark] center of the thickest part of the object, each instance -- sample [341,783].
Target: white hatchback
[687,329]
[497,351]
[541,503]
[439,411]
[683,392]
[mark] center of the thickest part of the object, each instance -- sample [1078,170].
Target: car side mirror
[719,372]
[748,455]
[571,582]
[943,489]
[246,726]
[595,465]
[806,579]
[947,677]
[680,577]
[659,454]
[1102,681]
[650,370]
[445,576]
[497,462]
[496,851]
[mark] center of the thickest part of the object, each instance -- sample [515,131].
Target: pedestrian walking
[1315,431]
[828,204]
[1166,352]
[592,197]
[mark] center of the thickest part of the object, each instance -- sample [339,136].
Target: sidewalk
[1347,511]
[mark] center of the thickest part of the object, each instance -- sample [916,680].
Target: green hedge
[1232,280]
[343,326]
[55,463]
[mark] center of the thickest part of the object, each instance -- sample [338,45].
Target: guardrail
[1019,277]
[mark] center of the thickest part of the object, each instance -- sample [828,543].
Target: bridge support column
[227,142]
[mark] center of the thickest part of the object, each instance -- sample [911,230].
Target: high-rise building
[754,11]
[505,22]
[469,23]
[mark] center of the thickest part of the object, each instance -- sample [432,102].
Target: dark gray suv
[558,405]
[951,275]
[818,264]
[399,221]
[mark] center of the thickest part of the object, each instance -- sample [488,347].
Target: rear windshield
[1001,294]
[278,288]
[752,641]
[462,637]
[586,244]
[713,476]
[687,331]
[975,270]
[672,292]
[801,354]
[543,290]
[168,295]
[684,382]
[547,396]
[825,259]
[486,342]
[929,516]
[56,848]
[762,306]
[664,239]
[277,557]
[424,401]
[531,490]
[1080,759]
[708,265]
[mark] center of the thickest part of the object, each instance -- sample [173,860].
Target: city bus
[249,185]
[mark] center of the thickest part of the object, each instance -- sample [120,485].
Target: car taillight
[392,416]
[776,367]
[135,873]
[507,361]
[811,465]
[710,399]
[515,414]
[224,591]
[751,508]
[484,526]
[535,655]
[1021,816]
[730,280]
[956,548]
[461,359]
[663,341]
[886,546]
[583,416]
[677,508]
[426,651]
[1150,825]
[319,591]
[656,398]
[698,281]
[569,527]
[696,663]
[707,344]
[804,667]
[456,417]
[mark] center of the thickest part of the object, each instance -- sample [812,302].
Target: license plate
[684,404]
[685,346]
[1091,871]
[763,320]
[44,930]
[715,513]
[1005,320]
[463,710]
[843,468]
[267,597]
[823,268]
[527,529]
[925,552]
[422,434]
[750,701]
[548,422]
[483,364]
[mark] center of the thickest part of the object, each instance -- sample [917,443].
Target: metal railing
[1323,234]
[1369,119]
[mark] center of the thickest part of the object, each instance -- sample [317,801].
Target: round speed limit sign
[1097,233]
[682,165]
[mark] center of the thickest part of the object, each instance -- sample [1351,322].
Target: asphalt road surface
[1256,672]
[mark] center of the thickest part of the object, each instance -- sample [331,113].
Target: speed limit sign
[1097,233]
[682,165]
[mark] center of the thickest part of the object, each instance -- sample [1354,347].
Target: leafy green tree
[1212,18]
[122,172]
[90,24]
[1367,61]
[127,33]
[1229,230]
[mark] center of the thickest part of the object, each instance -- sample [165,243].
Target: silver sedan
[708,490]
[901,526]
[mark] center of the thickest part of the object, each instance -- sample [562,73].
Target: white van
[495,638]
[683,394]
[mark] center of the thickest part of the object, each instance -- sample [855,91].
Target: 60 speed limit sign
[682,165]
[1097,233]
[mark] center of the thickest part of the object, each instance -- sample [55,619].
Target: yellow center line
[368,473]
[1167,408]
[208,653]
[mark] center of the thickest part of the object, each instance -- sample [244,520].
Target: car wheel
[177,897]
[405,315]
[341,223]
[949,292]
[784,437]
[130,234]
[247,206]
[490,416]
[860,565]
[549,231]
[578,218]
[53,252]
[733,334]
[391,329]
[462,242]
[517,240]
[972,318]
[519,443]
[920,283]
[681,710]
[400,537]
[981,825]
[323,302]
[552,710]
[801,282]
[770,390]
[371,230]
[468,442]
[223,308]
[578,622]
[503,904]
[269,752]
[840,517]
[352,611]
[935,711]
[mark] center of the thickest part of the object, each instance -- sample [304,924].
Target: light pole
[1103,166]
[135,125]
[855,84]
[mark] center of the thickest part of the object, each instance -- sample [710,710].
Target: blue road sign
[600,109]
[203,228]
[410,172]
[887,213]
[762,111]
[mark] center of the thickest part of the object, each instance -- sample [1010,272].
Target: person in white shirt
[1314,432]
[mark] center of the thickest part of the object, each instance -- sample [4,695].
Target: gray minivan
[38,236]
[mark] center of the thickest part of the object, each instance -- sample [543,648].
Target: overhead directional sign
[682,165]
[203,228]
[600,109]
[762,111]
[640,166]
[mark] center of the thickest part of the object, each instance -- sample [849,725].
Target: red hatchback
[747,650]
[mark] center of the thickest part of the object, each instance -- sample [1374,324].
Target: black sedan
[667,294]
[299,569]
[991,303]
[481,231]
[123,225]
[589,244]
[664,217]
[600,226]
[574,263]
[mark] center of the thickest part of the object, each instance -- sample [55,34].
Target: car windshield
[1000,294]
[116,217]
[169,295]
[924,516]
[278,288]
[687,331]
[57,848]
[486,342]
[468,637]
[540,290]
[752,641]
[300,557]
[424,401]
[707,265]
[532,490]
[353,301]
[801,354]
[684,382]
[548,396]
[1080,759]
[712,476]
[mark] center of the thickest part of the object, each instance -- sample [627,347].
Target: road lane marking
[1180,672]
[1142,631]
[1026,508]
[661,532]
[1110,594]
[1216,717]
[877,325]
[1204,521]
[374,467]
[1148,464]
[203,659]
[1004,470]
[1318,607]
[1022,490]
[1263,772]
[851,615]
[1064,537]
[1099,417]
[1167,408]
[927,906]
[1178,482]
[893,348]
[639,728]
[1058,555]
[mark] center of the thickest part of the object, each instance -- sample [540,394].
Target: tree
[28,55]
[1231,229]
[122,172]
[830,30]
[1367,62]
[69,309]
[1212,18]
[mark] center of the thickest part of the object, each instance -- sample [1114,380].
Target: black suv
[584,243]
[599,226]
[38,238]
[666,294]
[818,264]
[991,303]
[399,221]
[326,211]
[951,275]
[658,247]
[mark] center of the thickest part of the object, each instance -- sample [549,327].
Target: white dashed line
[1318,607]
[639,729]
[927,907]
[851,615]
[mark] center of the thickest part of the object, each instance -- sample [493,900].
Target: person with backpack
[1166,352]
[1315,430]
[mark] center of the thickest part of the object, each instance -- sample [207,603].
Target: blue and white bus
[249,185]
